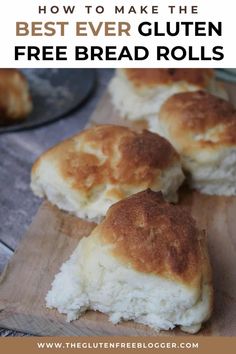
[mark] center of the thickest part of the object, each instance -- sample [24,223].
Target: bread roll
[202,128]
[15,99]
[139,93]
[146,262]
[89,172]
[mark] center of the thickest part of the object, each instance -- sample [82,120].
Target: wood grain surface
[53,236]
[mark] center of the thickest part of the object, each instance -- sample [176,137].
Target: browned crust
[5,74]
[156,237]
[152,77]
[192,113]
[13,86]
[111,154]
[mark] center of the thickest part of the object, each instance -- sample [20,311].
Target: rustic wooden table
[17,153]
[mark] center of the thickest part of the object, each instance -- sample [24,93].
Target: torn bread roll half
[15,99]
[146,262]
[202,128]
[139,93]
[89,172]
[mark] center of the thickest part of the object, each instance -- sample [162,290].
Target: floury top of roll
[139,93]
[90,171]
[147,262]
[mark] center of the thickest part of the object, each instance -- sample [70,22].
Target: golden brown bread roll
[147,262]
[15,99]
[89,172]
[202,128]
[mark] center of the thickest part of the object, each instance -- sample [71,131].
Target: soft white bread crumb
[93,279]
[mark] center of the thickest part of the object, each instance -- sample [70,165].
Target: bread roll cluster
[190,109]
[138,94]
[146,260]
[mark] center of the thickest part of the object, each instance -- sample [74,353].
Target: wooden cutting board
[52,237]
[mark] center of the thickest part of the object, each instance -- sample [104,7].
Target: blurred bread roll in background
[90,171]
[146,262]
[139,93]
[15,99]
[202,128]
